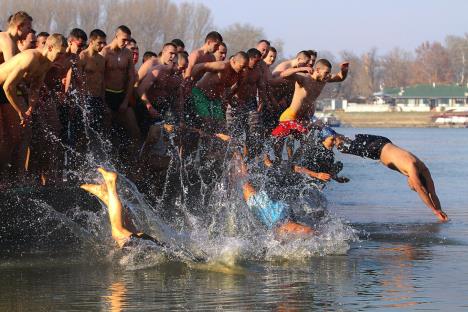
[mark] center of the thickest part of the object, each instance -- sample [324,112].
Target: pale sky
[354,25]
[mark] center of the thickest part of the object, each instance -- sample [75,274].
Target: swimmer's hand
[441,215]
[223,137]
[323,176]
[169,128]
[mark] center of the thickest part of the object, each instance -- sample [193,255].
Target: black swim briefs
[365,145]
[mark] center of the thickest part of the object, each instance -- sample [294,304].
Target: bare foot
[108,175]
[98,190]
[267,161]
[223,136]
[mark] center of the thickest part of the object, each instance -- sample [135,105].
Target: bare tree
[241,37]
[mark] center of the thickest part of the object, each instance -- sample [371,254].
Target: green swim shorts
[204,107]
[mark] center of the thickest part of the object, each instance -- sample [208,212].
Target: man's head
[239,61]
[30,42]
[255,56]
[182,62]
[55,47]
[271,56]
[303,58]
[263,46]
[322,70]
[313,58]
[122,36]
[77,40]
[41,39]
[168,53]
[21,23]
[149,54]
[327,136]
[179,44]
[212,41]
[97,40]
[220,54]
[133,46]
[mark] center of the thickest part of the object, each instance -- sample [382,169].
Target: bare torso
[213,84]
[303,101]
[400,160]
[249,85]
[6,41]
[93,65]
[117,66]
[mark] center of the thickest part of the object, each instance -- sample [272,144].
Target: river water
[396,255]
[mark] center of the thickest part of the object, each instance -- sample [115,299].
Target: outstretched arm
[323,176]
[416,185]
[342,74]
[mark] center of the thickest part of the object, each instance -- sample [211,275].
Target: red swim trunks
[286,128]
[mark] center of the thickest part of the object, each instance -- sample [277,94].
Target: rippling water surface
[404,259]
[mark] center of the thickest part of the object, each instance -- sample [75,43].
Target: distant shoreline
[389,120]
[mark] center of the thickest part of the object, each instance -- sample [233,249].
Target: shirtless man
[210,90]
[119,81]
[203,54]
[308,87]
[158,91]
[180,45]
[28,67]
[301,60]
[30,42]
[148,55]
[133,46]
[270,58]
[220,54]
[10,130]
[92,65]
[41,39]
[243,114]
[398,159]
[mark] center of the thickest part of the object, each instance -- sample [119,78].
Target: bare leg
[112,200]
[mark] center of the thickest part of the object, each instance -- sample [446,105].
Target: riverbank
[386,119]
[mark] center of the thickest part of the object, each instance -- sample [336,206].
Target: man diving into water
[394,157]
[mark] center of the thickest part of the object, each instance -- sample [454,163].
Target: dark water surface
[405,260]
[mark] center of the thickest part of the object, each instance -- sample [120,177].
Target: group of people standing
[62,96]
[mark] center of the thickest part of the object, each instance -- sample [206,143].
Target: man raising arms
[204,54]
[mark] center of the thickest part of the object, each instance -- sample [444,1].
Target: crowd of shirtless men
[61,95]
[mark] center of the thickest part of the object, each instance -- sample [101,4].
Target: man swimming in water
[396,158]
[275,215]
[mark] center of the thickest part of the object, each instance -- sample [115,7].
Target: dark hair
[185,52]
[178,43]
[253,53]
[168,44]
[43,34]
[303,53]
[214,36]
[96,33]
[148,54]
[272,49]
[33,31]
[324,62]
[132,40]
[312,52]
[124,29]
[78,34]
[264,40]
[241,55]
[182,55]
[223,44]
